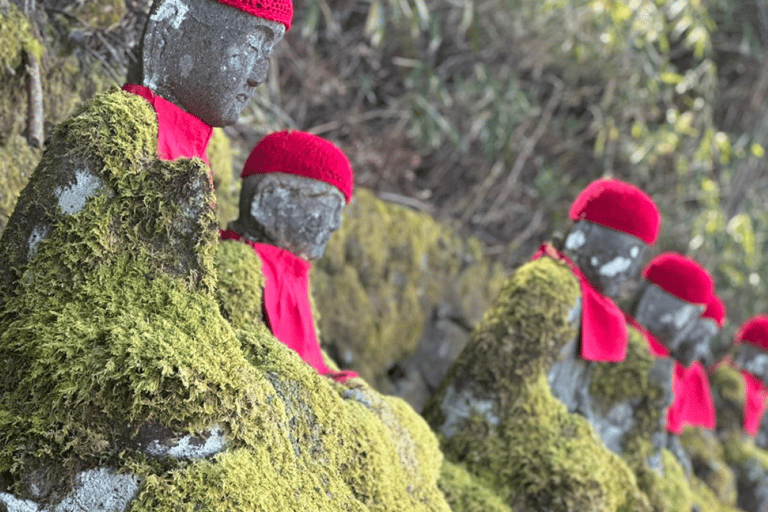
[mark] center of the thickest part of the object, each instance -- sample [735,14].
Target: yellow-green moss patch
[465,493]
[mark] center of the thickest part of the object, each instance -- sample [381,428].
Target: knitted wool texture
[754,331]
[715,310]
[302,154]
[280,11]
[680,276]
[618,205]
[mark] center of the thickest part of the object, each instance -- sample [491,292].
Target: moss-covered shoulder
[511,432]
[465,493]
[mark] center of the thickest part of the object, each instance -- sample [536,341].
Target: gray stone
[752,359]
[289,211]
[215,80]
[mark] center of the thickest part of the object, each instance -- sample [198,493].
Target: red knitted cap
[715,310]
[680,276]
[303,154]
[280,11]
[618,205]
[754,331]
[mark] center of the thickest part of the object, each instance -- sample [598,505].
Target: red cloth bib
[286,300]
[603,328]
[179,133]
[692,402]
[754,402]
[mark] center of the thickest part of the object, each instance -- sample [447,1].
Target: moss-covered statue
[295,186]
[749,461]
[200,63]
[495,411]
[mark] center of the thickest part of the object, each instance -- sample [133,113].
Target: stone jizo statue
[295,186]
[751,360]
[101,193]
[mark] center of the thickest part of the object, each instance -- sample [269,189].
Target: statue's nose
[258,73]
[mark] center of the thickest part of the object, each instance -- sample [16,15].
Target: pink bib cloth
[692,401]
[179,133]
[756,395]
[286,301]
[604,334]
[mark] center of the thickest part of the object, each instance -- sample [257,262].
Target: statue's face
[752,359]
[694,344]
[213,57]
[296,213]
[670,319]
[610,259]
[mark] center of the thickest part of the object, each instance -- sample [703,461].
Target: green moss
[113,325]
[728,392]
[708,460]
[531,451]
[383,273]
[668,490]
[17,160]
[226,187]
[239,287]
[465,493]
[16,37]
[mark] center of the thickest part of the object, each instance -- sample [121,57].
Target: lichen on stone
[528,448]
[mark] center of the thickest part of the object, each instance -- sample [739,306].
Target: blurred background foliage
[491,115]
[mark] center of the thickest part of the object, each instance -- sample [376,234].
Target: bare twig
[35,108]
[528,148]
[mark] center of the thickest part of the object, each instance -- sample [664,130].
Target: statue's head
[295,186]
[674,292]
[752,347]
[208,56]
[696,343]
[614,222]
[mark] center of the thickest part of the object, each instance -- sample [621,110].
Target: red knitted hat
[280,11]
[618,205]
[680,276]
[303,154]
[715,310]
[754,331]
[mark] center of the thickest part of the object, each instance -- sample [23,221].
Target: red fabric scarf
[286,300]
[756,395]
[603,328]
[179,133]
[692,401]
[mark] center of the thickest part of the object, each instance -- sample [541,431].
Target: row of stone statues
[151,362]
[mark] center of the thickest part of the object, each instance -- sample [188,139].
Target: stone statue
[122,191]
[498,409]
[295,186]
[200,63]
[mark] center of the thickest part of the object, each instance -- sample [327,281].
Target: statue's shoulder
[544,276]
[111,125]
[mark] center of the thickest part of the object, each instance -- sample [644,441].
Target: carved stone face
[207,57]
[670,319]
[293,212]
[752,359]
[610,259]
[694,344]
